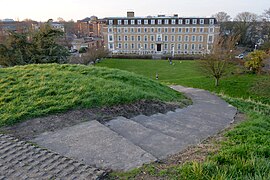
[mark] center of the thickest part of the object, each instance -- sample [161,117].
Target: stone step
[95,144]
[156,143]
[188,129]
[183,132]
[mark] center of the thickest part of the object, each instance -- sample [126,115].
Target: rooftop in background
[6,20]
[131,14]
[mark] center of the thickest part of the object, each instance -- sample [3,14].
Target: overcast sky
[78,9]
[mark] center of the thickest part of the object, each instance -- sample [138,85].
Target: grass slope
[246,152]
[37,90]
[187,73]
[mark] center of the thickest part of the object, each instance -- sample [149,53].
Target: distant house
[15,26]
[57,25]
[90,27]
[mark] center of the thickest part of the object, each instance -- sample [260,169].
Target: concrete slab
[94,144]
[157,143]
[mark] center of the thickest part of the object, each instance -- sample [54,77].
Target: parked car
[240,56]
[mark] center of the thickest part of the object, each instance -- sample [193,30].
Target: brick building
[160,34]
[90,27]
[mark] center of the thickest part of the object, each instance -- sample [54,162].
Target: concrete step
[187,129]
[95,144]
[154,142]
[183,132]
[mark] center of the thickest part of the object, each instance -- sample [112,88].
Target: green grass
[39,90]
[245,154]
[187,73]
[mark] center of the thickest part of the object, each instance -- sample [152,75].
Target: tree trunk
[216,81]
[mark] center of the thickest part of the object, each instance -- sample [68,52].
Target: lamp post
[255,47]
[172,51]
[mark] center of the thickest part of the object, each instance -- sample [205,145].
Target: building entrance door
[158,47]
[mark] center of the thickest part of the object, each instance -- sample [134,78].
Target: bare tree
[245,25]
[266,14]
[222,17]
[246,17]
[216,63]
[61,20]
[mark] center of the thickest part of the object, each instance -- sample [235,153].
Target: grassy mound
[37,90]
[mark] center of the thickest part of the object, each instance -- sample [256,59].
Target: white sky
[78,9]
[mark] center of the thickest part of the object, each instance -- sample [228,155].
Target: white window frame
[110,22]
[125,22]
[110,45]
[139,21]
[159,21]
[166,30]
[201,21]
[166,21]
[186,47]
[211,21]
[193,38]
[145,46]
[200,38]
[166,46]
[153,21]
[180,21]
[110,38]
[187,21]
[194,21]
[173,21]
[186,38]
[201,30]
[132,22]
[212,39]
[145,21]
[180,38]
[166,38]
[145,38]
[120,45]
[119,22]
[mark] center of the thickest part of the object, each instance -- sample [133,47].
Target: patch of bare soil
[29,129]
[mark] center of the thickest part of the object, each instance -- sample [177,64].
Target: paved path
[120,144]
[123,144]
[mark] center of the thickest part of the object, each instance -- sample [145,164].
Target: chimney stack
[130,14]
